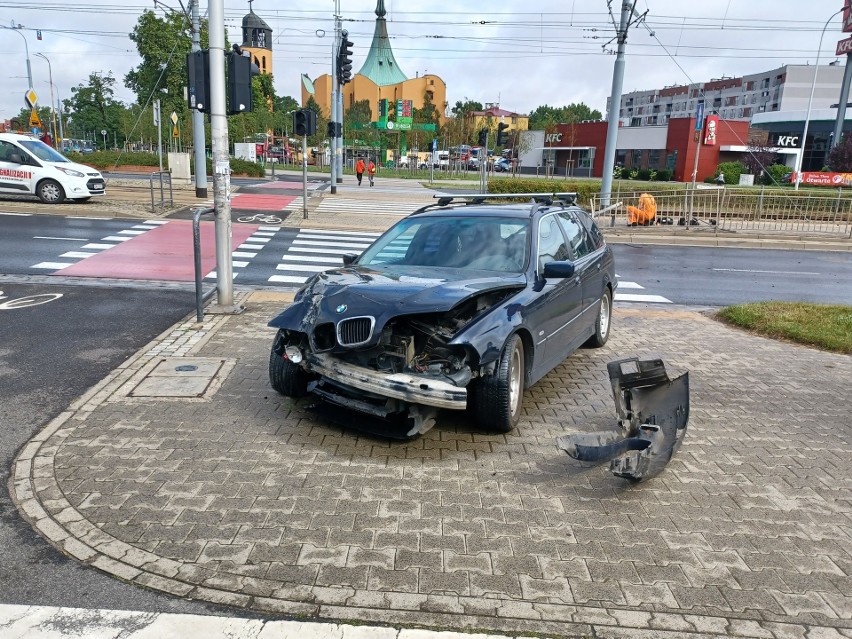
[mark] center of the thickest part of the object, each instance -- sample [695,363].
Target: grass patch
[822,325]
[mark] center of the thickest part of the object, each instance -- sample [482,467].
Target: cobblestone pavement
[250,499]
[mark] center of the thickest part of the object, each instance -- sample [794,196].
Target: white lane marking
[53,266]
[97,246]
[332,232]
[16,214]
[71,239]
[238,264]
[268,228]
[143,226]
[258,239]
[116,238]
[243,254]
[263,234]
[303,268]
[330,244]
[289,279]
[251,247]
[748,270]
[156,222]
[630,285]
[76,217]
[77,254]
[212,275]
[306,249]
[311,258]
[627,297]
[132,232]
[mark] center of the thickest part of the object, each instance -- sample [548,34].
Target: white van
[29,167]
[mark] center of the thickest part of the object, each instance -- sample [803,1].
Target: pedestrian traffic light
[344,59]
[502,138]
[304,122]
[334,130]
[240,72]
[483,137]
[198,73]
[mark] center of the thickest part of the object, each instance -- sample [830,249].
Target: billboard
[847,17]
[711,124]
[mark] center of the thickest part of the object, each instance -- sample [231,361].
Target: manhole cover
[186,368]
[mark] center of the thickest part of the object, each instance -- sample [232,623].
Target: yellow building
[494,115]
[380,78]
[257,39]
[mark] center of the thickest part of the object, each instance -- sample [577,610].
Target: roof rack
[546,199]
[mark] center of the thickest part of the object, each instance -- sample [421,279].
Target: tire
[285,377]
[496,399]
[50,192]
[604,322]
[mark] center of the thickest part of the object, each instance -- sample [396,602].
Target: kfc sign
[847,17]
[711,124]
[844,46]
[550,138]
[787,141]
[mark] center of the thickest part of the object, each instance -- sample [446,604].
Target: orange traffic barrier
[643,214]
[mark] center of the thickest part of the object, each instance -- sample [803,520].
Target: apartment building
[786,88]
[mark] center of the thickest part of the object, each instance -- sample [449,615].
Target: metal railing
[200,297]
[764,210]
[161,175]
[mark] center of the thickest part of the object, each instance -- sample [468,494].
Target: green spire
[380,65]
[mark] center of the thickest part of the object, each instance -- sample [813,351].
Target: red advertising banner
[819,178]
[847,17]
[711,123]
[844,46]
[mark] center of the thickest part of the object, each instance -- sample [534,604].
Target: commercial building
[786,88]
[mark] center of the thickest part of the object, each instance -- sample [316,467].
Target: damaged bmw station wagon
[461,306]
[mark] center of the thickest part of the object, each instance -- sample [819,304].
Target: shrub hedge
[106,160]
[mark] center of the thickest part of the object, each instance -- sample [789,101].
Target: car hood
[387,292]
[82,168]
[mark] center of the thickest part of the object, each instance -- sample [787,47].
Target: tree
[840,157]
[758,157]
[463,108]
[93,107]
[545,116]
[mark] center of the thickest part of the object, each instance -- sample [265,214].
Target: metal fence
[730,209]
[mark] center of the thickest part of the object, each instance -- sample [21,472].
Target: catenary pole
[335,87]
[615,104]
[221,161]
[198,141]
[841,105]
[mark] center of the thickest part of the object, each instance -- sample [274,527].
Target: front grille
[355,330]
[96,184]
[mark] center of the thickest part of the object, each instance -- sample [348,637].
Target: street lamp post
[17,29]
[52,102]
[801,155]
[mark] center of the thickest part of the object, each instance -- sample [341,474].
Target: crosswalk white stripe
[289,279]
[53,266]
[156,222]
[303,268]
[311,236]
[98,246]
[116,238]
[254,238]
[131,232]
[252,247]
[330,244]
[77,254]
[268,228]
[238,264]
[311,258]
[629,285]
[243,254]
[331,251]
[627,297]
[263,233]
[333,232]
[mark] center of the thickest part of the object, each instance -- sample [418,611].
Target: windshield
[42,151]
[461,242]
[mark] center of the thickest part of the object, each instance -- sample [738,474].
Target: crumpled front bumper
[407,387]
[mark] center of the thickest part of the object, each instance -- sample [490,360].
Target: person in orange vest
[359,170]
[371,172]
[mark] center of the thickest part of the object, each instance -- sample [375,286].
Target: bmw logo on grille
[341,308]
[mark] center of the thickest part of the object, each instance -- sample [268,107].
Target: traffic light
[240,72]
[304,122]
[334,130]
[483,137]
[502,138]
[344,59]
[198,72]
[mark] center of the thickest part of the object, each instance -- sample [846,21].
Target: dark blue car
[454,307]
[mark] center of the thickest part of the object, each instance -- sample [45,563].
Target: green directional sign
[393,126]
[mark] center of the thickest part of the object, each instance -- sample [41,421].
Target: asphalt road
[50,354]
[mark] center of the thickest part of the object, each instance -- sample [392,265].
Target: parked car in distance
[30,167]
[502,165]
[454,307]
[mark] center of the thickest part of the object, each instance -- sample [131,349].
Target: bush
[774,174]
[663,175]
[584,190]
[105,160]
[732,171]
[240,167]
[643,174]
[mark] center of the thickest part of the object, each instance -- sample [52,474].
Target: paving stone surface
[253,500]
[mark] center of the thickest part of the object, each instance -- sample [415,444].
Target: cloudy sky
[519,53]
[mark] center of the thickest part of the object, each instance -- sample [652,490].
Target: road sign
[175,133]
[174,118]
[699,116]
[35,121]
[31,98]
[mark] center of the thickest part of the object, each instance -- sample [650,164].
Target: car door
[558,301]
[588,263]
[14,176]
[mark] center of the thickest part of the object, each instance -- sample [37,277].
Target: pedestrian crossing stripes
[351,206]
[94,248]
[248,250]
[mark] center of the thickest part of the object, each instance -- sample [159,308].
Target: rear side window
[551,242]
[595,234]
[579,240]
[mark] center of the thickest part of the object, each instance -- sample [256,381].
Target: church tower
[257,39]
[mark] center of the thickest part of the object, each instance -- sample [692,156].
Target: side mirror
[349,259]
[558,269]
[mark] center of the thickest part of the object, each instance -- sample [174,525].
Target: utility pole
[841,106]
[198,141]
[221,161]
[615,101]
[335,88]
[157,120]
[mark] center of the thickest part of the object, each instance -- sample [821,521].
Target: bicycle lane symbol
[260,219]
[7,304]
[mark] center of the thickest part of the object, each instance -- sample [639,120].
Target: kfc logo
[550,138]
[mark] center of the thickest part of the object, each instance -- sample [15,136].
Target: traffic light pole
[198,142]
[221,160]
[335,87]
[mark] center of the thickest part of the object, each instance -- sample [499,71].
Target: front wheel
[603,322]
[496,399]
[50,192]
[285,377]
